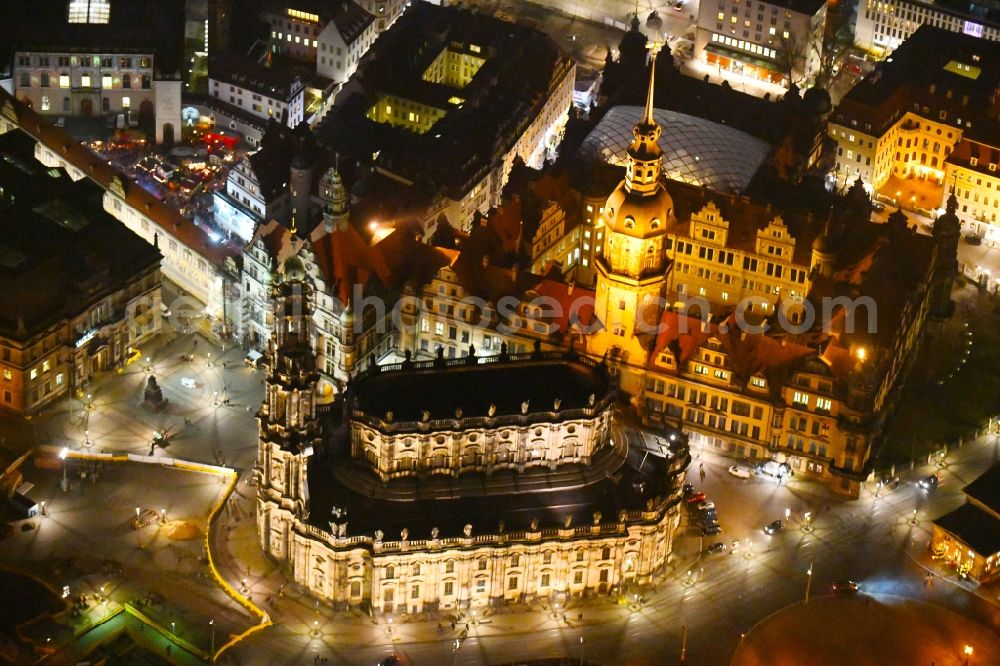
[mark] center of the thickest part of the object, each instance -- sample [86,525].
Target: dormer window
[655,224]
[629,222]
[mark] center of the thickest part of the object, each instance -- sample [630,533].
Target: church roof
[407,393]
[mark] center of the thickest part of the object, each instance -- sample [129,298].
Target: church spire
[647,118]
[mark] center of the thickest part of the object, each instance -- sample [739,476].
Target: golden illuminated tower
[631,274]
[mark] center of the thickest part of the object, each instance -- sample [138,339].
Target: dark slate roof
[338,481]
[521,65]
[60,252]
[406,393]
[916,74]
[149,26]
[973,526]
[245,72]
[986,489]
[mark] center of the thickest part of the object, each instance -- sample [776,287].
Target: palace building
[761,337]
[456,483]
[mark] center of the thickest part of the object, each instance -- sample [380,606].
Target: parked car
[774,527]
[709,531]
[889,481]
[973,239]
[697,497]
[740,472]
[845,586]
[929,482]
[717,547]
[708,521]
[707,504]
[878,206]
[688,489]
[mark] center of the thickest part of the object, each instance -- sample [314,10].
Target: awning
[253,355]
[743,56]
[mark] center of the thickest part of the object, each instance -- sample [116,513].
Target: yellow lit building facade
[905,118]
[972,170]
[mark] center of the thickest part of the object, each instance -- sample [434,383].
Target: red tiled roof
[576,304]
[345,259]
[749,353]
[505,222]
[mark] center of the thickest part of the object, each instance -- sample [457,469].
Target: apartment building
[255,88]
[882,25]
[763,40]
[905,118]
[971,169]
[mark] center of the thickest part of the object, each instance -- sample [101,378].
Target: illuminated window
[800,399]
[85,80]
[34,373]
[823,403]
[7,374]
[772,30]
[64,80]
[410,116]
[106,81]
[785,34]
[46,105]
[89,11]
[45,365]
[126,102]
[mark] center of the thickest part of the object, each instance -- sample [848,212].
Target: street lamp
[86,438]
[173,627]
[43,508]
[581,650]
[454,651]
[211,623]
[163,516]
[913,520]
[62,456]
[808,517]
[967,651]
[788,514]
[809,581]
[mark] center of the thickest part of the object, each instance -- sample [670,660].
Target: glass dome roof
[695,150]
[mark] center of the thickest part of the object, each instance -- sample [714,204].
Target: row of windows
[85,81]
[124,62]
[482,564]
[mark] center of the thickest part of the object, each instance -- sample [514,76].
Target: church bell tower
[287,426]
[631,273]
